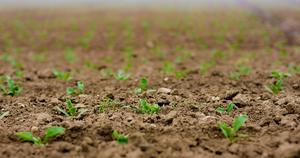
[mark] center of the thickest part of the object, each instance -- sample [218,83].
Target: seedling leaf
[28,136]
[53,132]
[120,138]
[239,122]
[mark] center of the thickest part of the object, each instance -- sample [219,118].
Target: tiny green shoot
[51,132]
[105,103]
[9,87]
[242,71]
[295,69]
[231,132]
[275,87]
[168,68]
[279,75]
[79,89]
[70,55]
[143,85]
[120,138]
[204,67]
[65,76]
[229,108]
[121,75]
[71,110]
[148,108]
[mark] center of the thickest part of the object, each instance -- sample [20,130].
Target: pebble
[241,100]
[164,90]
[34,129]
[215,98]
[54,101]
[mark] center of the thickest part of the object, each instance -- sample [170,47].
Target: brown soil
[187,125]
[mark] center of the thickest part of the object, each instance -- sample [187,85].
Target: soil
[187,124]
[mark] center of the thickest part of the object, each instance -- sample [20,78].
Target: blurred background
[146,3]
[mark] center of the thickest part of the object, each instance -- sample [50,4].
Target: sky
[136,3]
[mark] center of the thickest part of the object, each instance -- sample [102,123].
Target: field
[167,84]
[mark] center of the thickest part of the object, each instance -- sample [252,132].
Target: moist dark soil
[187,123]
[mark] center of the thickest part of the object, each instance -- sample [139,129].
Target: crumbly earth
[187,124]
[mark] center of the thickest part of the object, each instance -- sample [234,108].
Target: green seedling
[143,85]
[90,65]
[79,89]
[158,52]
[204,67]
[19,74]
[147,108]
[5,57]
[128,54]
[70,55]
[108,59]
[105,103]
[242,71]
[295,69]
[217,54]
[120,138]
[65,76]
[231,132]
[4,114]
[180,74]
[85,39]
[13,62]
[71,110]
[127,67]
[199,40]
[279,75]
[168,68]
[229,108]
[16,64]
[9,87]
[51,132]
[121,75]
[39,57]
[107,72]
[276,87]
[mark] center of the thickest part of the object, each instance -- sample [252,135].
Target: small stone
[21,105]
[87,140]
[170,117]
[46,73]
[241,100]
[34,129]
[230,94]
[42,98]
[43,117]
[54,101]
[79,105]
[282,101]
[150,92]
[215,98]
[84,96]
[234,148]
[164,90]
